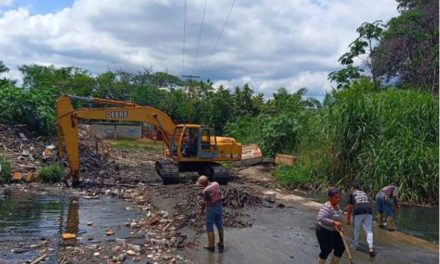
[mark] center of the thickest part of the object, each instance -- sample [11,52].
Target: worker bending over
[387,203]
[212,201]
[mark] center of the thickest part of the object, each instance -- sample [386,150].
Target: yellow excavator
[190,147]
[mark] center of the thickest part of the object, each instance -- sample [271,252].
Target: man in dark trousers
[212,201]
[360,206]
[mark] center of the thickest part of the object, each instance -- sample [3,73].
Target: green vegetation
[51,173]
[5,170]
[293,176]
[380,137]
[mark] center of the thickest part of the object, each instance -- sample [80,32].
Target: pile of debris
[94,155]
[236,201]
[239,198]
[98,162]
[23,150]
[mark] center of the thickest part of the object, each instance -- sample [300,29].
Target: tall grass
[382,137]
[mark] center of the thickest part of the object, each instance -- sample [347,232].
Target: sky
[267,44]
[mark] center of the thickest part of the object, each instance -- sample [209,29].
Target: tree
[3,69]
[409,51]
[369,35]
[243,101]
[220,111]
[69,80]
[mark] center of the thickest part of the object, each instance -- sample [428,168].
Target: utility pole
[190,88]
[191,95]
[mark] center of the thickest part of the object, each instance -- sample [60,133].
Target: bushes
[33,108]
[51,173]
[274,133]
[5,170]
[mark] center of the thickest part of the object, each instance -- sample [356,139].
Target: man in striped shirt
[329,221]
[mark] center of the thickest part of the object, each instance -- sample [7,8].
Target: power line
[184,36]
[200,35]
[219,36]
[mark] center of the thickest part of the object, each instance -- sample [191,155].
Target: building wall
[117,131]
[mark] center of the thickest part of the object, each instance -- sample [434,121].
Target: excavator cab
[193,142]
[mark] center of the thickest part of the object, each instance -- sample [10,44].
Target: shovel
[192,244]
[345,245]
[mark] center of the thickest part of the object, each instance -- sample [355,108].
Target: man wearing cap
[212,201]
[360,206]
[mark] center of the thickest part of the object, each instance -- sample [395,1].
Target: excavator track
[168,171]
[215,172]
[172,173]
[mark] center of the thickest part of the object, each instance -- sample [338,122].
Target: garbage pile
[28,153]
[23,150]
[236,200]
[239,198]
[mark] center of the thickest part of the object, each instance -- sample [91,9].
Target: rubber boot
[390,224]
[372,252]
[220,243]
[211,242]
[321,261]
[335,260]
[380,220]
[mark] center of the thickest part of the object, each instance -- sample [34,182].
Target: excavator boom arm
[68,120]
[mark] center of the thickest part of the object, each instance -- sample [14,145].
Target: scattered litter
[109,232]
[67,236]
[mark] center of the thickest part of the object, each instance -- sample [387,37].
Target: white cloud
[6,2]
[268,44]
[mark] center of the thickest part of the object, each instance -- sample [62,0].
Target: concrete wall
[117,131]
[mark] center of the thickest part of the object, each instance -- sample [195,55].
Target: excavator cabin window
[206,140]
[189,142]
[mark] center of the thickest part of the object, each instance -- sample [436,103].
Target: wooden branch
[40,258]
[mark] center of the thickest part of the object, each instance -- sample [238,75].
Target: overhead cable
[219,36]
[200,35]
[184,36]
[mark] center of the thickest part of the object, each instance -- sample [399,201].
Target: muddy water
[287,235]
[421,222]
[27,219]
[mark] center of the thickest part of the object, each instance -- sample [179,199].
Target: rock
[116,249]
[164,214]
[121,257]
[131,253]
[136,248]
